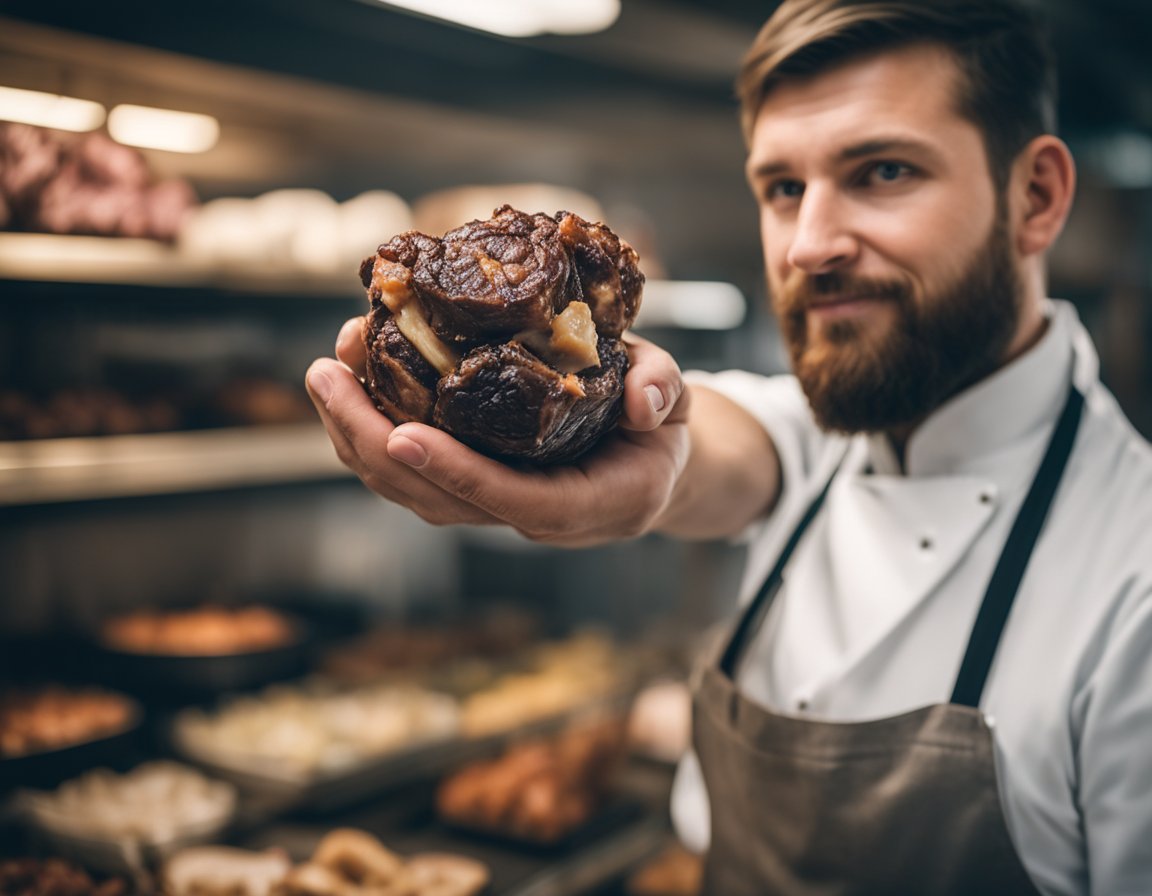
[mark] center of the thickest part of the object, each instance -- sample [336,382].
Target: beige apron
[901,805]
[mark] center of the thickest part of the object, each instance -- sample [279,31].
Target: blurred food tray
[338,789]
[630,831]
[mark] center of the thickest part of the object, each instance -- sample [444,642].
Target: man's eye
[784,189]
[888,172]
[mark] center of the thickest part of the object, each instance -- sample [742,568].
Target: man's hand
[617,491]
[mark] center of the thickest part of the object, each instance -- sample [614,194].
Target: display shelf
[56,470]
[50,258]
[53,258]
[333,791]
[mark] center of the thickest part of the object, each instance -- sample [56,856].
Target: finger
[653,386]
[344,406]
[514,496]
[359,433]
[325,382]
[612,492]
[350,345]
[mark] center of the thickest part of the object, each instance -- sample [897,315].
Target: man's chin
[849,413]
[853,388]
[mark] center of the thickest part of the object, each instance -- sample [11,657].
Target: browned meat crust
[466,333]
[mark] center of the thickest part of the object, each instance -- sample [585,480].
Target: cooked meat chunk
[405,384]
[504,400]
[504,332]
[609,273]
[497,277]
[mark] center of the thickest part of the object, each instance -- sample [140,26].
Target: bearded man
[941,678]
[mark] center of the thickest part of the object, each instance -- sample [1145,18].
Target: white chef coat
[879,599]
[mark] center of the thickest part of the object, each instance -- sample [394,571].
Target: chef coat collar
[1019,398]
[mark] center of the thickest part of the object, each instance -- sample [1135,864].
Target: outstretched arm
[732,476]
[651,474]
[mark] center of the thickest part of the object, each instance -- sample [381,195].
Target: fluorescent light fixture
[49,110]
[163,128]
[691,305]
[519,18]
[1126,159]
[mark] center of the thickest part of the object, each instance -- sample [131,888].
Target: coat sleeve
[1114,713]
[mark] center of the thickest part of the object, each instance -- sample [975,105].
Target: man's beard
[857,381]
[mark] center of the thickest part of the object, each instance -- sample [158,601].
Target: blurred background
[186,191]
[180,291]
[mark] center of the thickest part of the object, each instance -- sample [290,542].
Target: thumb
[653,386]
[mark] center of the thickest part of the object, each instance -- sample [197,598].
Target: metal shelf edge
[56,470]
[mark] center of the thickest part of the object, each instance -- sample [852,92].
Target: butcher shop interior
[229,667]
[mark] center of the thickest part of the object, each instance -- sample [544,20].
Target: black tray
[118,751]
[179,678]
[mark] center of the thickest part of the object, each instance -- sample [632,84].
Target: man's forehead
[901,96]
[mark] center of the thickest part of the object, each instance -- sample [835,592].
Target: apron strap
[1009,572]
[753,617]
[1002,587]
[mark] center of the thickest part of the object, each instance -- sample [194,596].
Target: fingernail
[321,384]
[406,451]
[655,397]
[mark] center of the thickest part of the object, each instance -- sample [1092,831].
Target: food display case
[516,754]
[174,524]
[296,723]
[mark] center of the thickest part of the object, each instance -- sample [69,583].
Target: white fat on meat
[570,344]
[395,284]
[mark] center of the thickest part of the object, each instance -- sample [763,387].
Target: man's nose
[822,240]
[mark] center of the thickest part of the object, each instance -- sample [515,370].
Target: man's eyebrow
[765,170]
[882,145]
[864,149]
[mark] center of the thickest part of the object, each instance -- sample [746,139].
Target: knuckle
[633,525]
[375,482]
[545,537]
[347,456]
[532,526]
[433,517]
[469,489]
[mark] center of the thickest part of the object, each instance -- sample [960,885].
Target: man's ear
[1043,184]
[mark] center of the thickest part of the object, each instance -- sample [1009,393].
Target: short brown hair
[1008,87]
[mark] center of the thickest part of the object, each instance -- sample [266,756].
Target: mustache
[808,290]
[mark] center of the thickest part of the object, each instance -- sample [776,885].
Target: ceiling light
[519,18]
[163,129]
[49,110]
